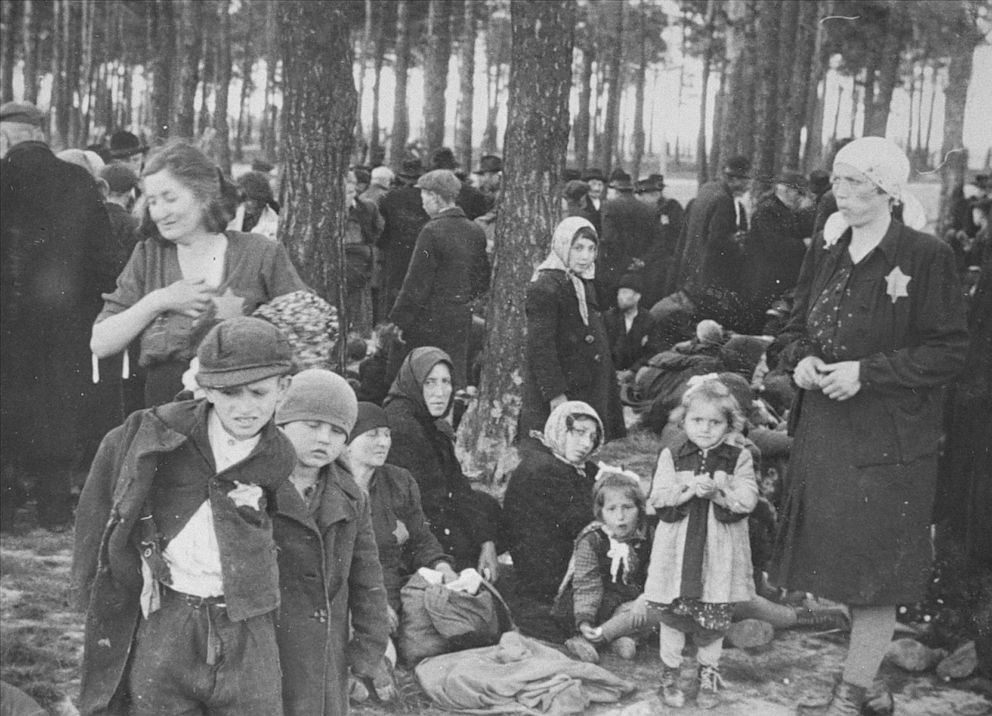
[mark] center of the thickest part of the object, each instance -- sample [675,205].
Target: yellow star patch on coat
[228,305]
[896,283]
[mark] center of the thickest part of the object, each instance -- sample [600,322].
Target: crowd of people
[246,531]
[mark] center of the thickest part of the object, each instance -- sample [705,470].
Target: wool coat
[461,518]
[106,564]
[630,349]
[855,526]
[404,216]
[566,356]
[330,583]
[547,504]
[630,231]
[726,569]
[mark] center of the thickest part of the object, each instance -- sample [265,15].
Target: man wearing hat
[174,557]
[472,201]
[629,327]
[403,217]
[705,280]
[449,269]
[774,247]
[596,180]
[127,149]
[658,260]
[490,177]
[54,235]
[630,231]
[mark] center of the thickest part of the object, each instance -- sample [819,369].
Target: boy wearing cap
[629,327]
[329,572]
[174,556]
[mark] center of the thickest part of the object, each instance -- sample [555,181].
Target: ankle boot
[846,700]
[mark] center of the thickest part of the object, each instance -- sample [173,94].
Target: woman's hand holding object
[841,380]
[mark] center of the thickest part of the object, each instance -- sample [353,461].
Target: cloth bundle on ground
[438,619]
[519,675]
[309,322]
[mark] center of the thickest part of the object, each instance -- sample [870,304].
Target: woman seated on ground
[188,273]
[463,520]
[548,502]
[402,533]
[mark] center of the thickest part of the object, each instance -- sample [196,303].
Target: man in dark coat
[628,326]
[597,188]
[773,248]
[448,270]
[706,278]
[55,237]
[630,231]
[404,216]
[470,200]
[658,259]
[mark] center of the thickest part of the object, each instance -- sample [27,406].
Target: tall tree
[813,152]
[613,80]
[766,124]
[376,151]
[162,51]
[269,127]
[29,45]
[535,144]
[640,81]
[890,56]
[466,82]
[497,55]
[8,20]
[703,171]
[60,111]
[580,124]
[401,116]
[436,61]
[242,133]
[320,104]
[793,83]
[735,131]
[222,63]
[188,48]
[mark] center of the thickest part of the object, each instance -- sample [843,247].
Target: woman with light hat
[880,326]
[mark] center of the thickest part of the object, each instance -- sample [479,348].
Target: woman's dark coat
[565,356]
[460,517]
[330,583]
[856,519]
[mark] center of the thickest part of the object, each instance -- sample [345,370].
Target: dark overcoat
[403,216]
[856,519]
[329,580]
[630,230]
[565,356]
[630,349]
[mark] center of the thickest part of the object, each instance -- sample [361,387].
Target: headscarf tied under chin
[561,244]
[887,167]
[409,382]
[556,426]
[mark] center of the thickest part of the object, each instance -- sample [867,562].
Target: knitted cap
[242,350]
[320,395]
[370,417]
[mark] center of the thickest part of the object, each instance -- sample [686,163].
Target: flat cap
[23,112]
[442,182]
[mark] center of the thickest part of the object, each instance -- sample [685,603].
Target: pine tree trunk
[376,150]
[891,58]
[436,60]
[208,77]
[719,114]
[953,154]
[363,62]
[242,134]
[58,109]
[925,154]
[735,130]
[29,44]
[222,64]
[813,154]
[188,50]
[73,50]
[162,46]
[88,71]
[642,72]
[536,142]
[466,84]
[767,128]
[269,117]
[318,140]
[702,170]
[795,92]
[8,20]
[401,117]
[613,79]
[580,125]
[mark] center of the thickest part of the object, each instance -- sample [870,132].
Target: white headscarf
[561,244]
[887,167]
[556,426]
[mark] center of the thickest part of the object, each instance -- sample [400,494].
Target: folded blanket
[518,675]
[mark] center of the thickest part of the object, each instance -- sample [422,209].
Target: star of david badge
[896,283]
[228,305]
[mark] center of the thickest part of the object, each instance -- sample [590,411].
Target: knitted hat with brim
[242,350]
[322,396]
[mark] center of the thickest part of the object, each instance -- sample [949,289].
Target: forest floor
[41,643]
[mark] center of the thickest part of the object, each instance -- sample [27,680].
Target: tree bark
[536,142]
[208,77]
[642,72]
[496,56]
[162,33]
[953,159]
[58,109]
[580,125]
[719,117]
[767,128]
[891,57]
[376,150]
[269,129]
[613,80]
[702,168]
[188,50]
[8,20]
[735,130]
[794,86]
[242,134]
[320,104]
[813,153]
[401,117]
[222,64]
[925,153]
[466,84]
[436,60]
[29,44]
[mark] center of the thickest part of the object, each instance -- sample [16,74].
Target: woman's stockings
[871,632]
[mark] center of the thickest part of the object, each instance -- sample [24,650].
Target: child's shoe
[710,682]
[582,649]
[624,647]
[669,691]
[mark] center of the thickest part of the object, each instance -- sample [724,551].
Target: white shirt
[193,555]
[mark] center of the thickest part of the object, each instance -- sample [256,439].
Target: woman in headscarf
[880,325]
[568,352]
[464,520]
[548,501]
